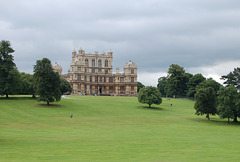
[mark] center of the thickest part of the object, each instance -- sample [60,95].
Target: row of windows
[97,79]
[99,62]
[102,79]
[99,70]
[122,79]
[122,88]
[93,70]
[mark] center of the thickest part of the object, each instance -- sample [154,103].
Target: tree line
[178,83]
[45,83]
[211,97]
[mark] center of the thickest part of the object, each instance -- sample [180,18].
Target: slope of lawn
[112,129]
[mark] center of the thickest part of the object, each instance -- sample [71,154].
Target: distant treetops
[181,84]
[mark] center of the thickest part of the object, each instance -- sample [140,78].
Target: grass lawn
[112,129]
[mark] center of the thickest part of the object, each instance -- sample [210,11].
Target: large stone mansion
[92,74]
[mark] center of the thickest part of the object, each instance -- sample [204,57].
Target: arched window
[86,61]
[99,63]
[93,62]
[106,63]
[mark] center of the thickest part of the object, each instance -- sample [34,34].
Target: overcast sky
[203,36]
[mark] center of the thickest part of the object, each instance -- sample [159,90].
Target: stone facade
[92,74]
[57,68]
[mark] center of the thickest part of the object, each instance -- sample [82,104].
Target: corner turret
[57,68]
[130,68]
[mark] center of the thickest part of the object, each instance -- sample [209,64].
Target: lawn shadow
[215,121]
[48,106]
[150,108]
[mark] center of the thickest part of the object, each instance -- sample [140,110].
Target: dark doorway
[100,90]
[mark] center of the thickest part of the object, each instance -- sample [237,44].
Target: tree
[177,80]
[205,102]
[193,83]
[9,75]
[209,83]
[149,95]
[27,84]
[228,103]
[47,82]
[233,78]
[186,78]
[139,86]
[65,86]
[162,85]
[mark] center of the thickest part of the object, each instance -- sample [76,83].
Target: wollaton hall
[92,74]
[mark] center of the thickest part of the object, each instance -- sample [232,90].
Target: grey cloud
[152,33]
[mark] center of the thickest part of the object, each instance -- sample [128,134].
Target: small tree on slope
[149,95]
[205,102]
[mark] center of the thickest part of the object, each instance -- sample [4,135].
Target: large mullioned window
[93,62]
[106,63]
[86,61]
[99,63]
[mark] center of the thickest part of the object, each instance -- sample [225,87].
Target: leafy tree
[9,75]
[139,86]
[149,95]
[47,82]
[193,82]
[229,103]
[205,102]
[27,84]
[65,86]
[233,78]
[209,83]
[186,78]
[162,85]
[177,80]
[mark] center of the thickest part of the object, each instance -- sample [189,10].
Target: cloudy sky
[201,35]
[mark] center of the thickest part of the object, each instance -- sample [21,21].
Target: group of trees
[45,83]
[211,97]
[179,83]
[225,102]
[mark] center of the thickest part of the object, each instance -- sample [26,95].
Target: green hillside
[112,129]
